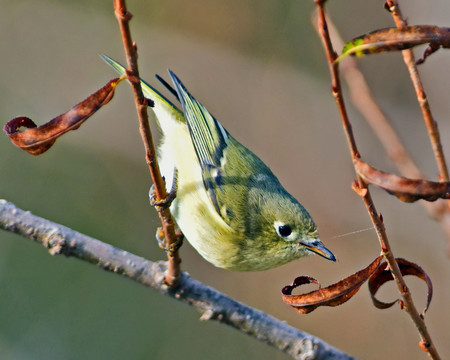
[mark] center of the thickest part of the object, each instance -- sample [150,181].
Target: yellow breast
[192,208]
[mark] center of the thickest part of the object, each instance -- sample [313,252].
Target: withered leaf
[407,190]
[36,140]
[394,39]
[383,275]
[332,295]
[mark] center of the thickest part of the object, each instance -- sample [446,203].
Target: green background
[259,68]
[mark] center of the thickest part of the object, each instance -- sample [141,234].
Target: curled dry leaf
[394,39]
[377,273]
[36,140]
[407,190]
[332,295]
[383,275]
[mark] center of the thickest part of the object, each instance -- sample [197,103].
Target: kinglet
[228,204]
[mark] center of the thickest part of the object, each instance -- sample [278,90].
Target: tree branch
[168,225]
[60,240]
[410,62]
[363,100]
[361,188]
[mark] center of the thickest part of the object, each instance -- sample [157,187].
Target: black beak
[318,248]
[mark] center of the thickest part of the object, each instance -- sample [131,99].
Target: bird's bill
[318,248]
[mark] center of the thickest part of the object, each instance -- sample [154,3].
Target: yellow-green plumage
[229,204]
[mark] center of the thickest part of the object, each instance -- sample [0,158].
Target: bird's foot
[163,203]
[169,248]
[166,202]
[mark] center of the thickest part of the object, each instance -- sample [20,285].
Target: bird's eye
[284,230]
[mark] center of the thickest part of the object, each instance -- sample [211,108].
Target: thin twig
[123,17]
[408,57]
[362,98]
[362,189]
[60,240]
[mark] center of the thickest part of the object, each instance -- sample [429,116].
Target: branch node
[334,91]
[207,315]
[389,6]
[55,242]
[359,190]
[132,77]
[424,345]
[122,13]
[308,349]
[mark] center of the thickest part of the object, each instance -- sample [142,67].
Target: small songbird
[229,205]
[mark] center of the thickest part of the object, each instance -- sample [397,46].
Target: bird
[228,204]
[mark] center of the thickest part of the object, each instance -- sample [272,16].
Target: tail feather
[168,86]
[163,106]
[209,137]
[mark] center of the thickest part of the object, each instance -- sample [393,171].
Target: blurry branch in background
[168,225]
[361,185]
[363,100]
[60,240]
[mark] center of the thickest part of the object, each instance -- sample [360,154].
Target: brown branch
[361,188]
[123,17]
[60,240]
[408,57]
[362,98]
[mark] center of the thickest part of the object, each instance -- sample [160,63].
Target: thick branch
[212,304]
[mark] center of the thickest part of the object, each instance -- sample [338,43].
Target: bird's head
[287,229]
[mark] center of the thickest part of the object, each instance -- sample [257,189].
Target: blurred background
[258,66]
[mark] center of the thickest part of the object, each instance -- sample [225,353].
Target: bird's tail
[163,108]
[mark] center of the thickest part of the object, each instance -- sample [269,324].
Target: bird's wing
[210,141]
[209,138]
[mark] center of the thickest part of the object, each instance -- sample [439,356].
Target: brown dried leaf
[407,190]
[36,140]
[383,275]
[332,295]
[394,39]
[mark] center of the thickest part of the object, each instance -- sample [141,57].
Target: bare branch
[361,188]
[410,62]
[60,240]
[362,98]
[124,17]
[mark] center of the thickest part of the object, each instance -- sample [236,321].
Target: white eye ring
[283,230]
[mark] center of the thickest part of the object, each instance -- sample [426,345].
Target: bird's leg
[164,203]
[162,241]
[169,199]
